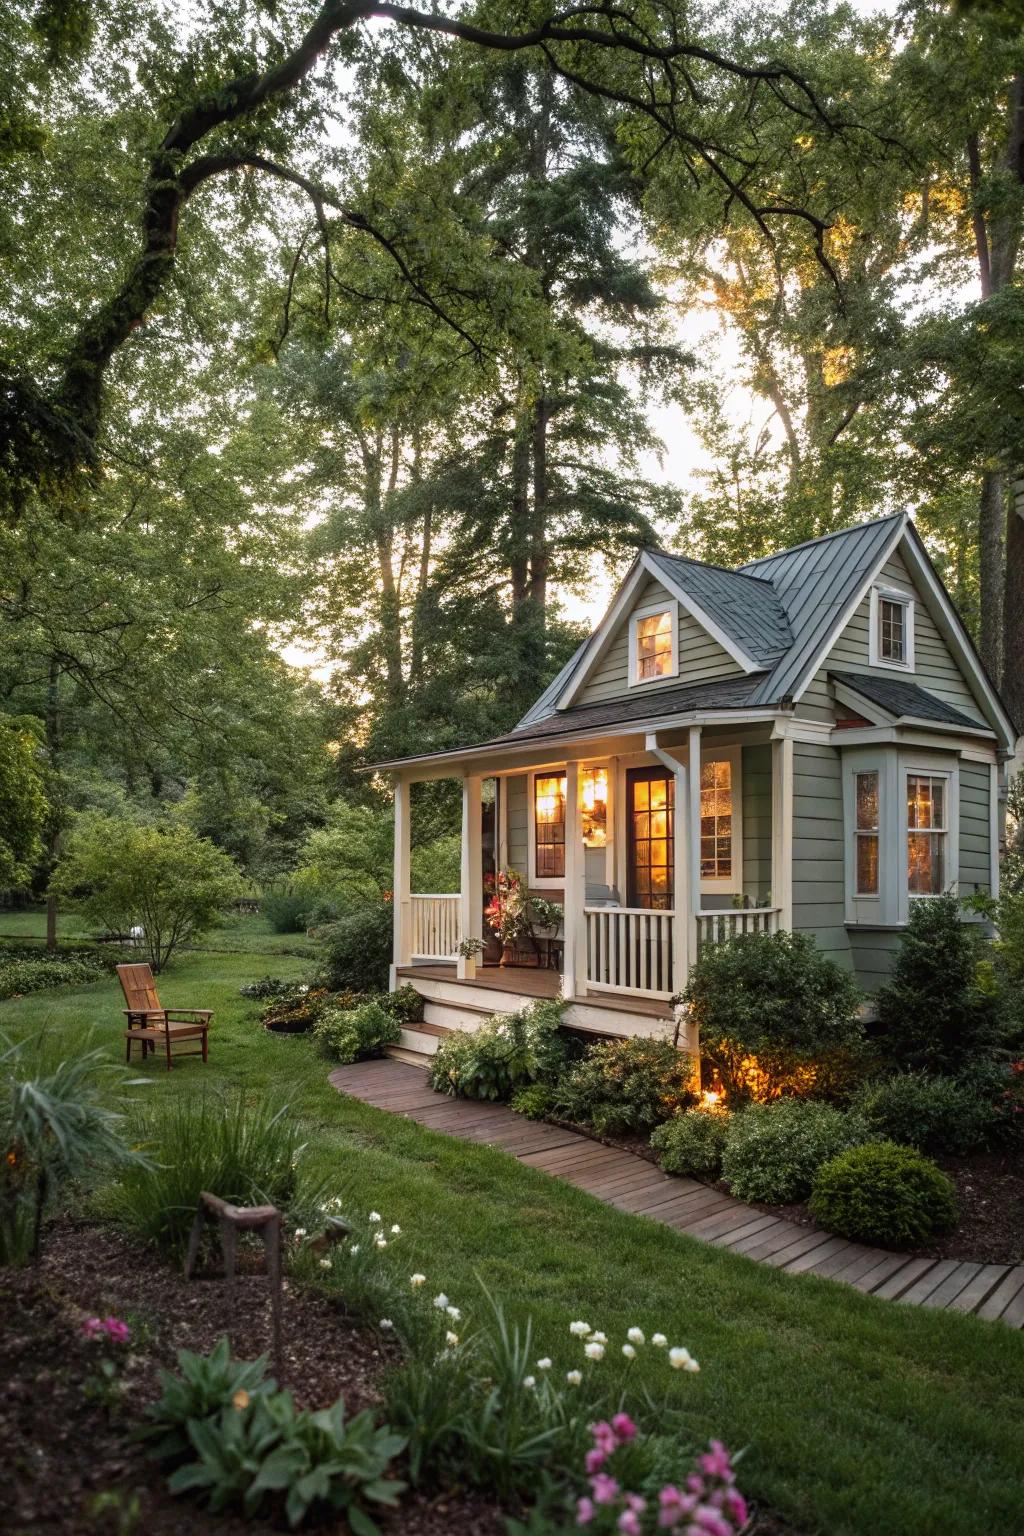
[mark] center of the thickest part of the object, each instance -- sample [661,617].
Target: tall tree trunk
[991,522]
[519,542]
[1013,651]
[52,723]
[417,641]
[540,554]
[377,499]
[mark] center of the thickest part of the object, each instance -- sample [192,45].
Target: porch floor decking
[619,1178]
[533,981]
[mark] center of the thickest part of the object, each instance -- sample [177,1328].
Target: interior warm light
[710,1099]
[594,806]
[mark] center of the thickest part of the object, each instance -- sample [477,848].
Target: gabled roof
[722,693]
[903,700]
[746,608]
[818,583]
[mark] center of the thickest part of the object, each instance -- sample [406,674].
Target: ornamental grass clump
[773,1151]
[693,1143]
[883,1193]
[624,1087]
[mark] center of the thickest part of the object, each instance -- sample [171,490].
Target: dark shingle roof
[724,693]
[903,699]
[747,609]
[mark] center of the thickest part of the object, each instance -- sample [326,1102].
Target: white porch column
[400,896]
[693,843]
[471,905]
[574,964]
[782,823]
[685,918]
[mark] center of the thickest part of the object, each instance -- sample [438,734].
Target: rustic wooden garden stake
[230,1219]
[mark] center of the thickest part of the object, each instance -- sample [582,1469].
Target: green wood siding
[873,954]
[518,823]
[700,657]
[819,898]
[757,822]
[975,827]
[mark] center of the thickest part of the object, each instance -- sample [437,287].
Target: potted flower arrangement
[511,913]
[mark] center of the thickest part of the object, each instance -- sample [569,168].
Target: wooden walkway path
[633,1184]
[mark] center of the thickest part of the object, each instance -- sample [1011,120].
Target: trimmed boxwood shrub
[773,1151]
[934,1114]
[346,1034]
[624,1086]
[775,1016]
[883,1193]
[693,1143]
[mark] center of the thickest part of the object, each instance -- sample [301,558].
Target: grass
[236,934]
[858,1415]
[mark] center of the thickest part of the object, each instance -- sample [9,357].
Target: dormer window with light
[654,644]
[892,630]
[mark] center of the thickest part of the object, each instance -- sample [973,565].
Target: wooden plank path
[619,1178]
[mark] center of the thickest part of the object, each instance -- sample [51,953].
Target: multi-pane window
[652,861]
[654,647]
[716,820]
[594,806]
[867,834]
[892,631]
[549,826]
[927,831]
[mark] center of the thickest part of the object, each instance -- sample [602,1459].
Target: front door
[650,803]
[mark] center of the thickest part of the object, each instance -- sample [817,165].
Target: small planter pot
[508,955]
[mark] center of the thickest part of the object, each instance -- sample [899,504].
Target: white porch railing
[435,926]
[732,922]
[629,949]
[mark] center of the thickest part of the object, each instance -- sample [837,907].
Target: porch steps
[418,1042]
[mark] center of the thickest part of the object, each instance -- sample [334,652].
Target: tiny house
[809,742]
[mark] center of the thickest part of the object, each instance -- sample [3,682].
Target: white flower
[451,1339]
[574,1378]
[326,1264]
[374,1218]
[440,1301]
[395,1230]
[629,1351]
[416,1281]
[385,1325]
[593,1350]
[453,1313]
[529,1382]
[659,1340]
[681,1360]
[544,1365]
[599,1338]
[579,1330]
[354,1249]
[636,1336]
[299,1232]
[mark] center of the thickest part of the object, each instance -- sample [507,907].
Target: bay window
[927,834]
[866,835]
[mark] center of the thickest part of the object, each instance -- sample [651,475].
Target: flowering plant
[709,1503]
[506,911]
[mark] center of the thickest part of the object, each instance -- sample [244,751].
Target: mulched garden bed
[67,1464]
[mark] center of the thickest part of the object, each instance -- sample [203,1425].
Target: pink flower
[604,1488]
[716,1463]
[629,1523]
[709,1521]
[92,1328]
[595,1459]
[736,1504]
[604,1436]
[116,1330]
[635,1503]
[584,1511]
[624,1427]
[673,1506]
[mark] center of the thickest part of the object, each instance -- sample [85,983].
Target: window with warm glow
[654,647]
[594,806]
[927,831]
[867,834]
[716,821]
[549,826]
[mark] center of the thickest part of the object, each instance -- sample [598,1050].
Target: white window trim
[733,885]
[534,881]
[906,602]
[934,768]
[651,611]
[883,907]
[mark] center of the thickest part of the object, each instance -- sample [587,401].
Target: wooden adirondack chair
[150,1023]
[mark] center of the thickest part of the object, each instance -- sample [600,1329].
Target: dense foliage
[773,1151]
[506,1053]
[349,1034]
[693,1142]
[935,1114]
[775,1016]
[627,1086]
[883,1193]
[355,951]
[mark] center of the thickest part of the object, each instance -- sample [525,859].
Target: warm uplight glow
[710,1099]
[594,804]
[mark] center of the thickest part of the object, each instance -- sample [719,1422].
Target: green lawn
[252,935]
[859,1416]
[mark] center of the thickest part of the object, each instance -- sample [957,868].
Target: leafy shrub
[934,1114]
[257,1451]
[773,1151]
[623,1086]
[406,1004]
[775,1015]
[535,1101]
[23,804]
[20,976]
[346,1034]
[356,950]
[267,986]
[938,1010]
[299,1010]
[247,1154]
[505,1053]
[285,910]
[54,1125]
[693,1142]
[883,1193]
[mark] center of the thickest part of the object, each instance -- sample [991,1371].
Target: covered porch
[653,844]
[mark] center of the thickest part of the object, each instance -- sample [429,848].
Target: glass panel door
[651,796]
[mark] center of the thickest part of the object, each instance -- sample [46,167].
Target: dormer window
[654,644]
[892,630]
